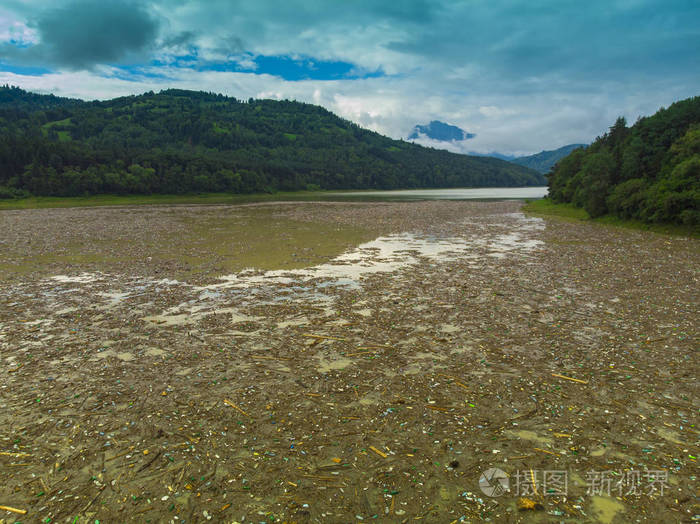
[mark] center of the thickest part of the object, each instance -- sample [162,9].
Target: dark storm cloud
[84,34]
[508,40]
[595,39]
[231,45]
[183,38]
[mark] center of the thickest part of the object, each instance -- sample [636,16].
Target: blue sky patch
[307,68]
[286,67]
[24,70]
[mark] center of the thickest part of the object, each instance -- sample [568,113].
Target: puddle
[292,323]
[599,452]
[370,399]
[309,281]
[385,254]
[170,320]
[123,356]
[243,333]
[79,279]
[576,479]
[418,367]
[332,365]
[424,355]
[203,241]
[670,435]
[605,509]
[260,239]
[65,311]
[114,297]
[195,313]
[528,435]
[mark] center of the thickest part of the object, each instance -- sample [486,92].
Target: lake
[481,193]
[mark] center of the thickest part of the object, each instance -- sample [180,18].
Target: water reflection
[391,253]
[482,239]
[481,193]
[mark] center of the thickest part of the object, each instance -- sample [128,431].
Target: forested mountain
[184,141]
[650,171]
[544,161]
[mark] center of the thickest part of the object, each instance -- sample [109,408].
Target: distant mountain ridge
[437,130]
[541,162]
[500,156]
[179,141]
[544,161]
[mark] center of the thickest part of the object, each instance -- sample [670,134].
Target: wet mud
[344,363]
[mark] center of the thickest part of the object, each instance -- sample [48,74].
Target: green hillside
[544,161]
[648,172]
[178,142]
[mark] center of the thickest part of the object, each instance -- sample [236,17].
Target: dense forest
[648,172]
[180,141]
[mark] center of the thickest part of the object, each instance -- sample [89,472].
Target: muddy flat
[344,362]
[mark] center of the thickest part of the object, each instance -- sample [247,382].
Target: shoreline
[212,198]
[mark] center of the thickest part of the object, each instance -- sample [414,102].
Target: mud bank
[366,361]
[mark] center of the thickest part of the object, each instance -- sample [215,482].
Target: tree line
[649,171]
[180,141]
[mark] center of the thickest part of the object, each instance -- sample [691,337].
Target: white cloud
[16,31]
[493,111]
[392,106]
[523,77]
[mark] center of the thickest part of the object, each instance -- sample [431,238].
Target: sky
[522,75]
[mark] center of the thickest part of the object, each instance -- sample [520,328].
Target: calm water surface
[481,193]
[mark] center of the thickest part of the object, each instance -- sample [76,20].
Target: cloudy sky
[524,75]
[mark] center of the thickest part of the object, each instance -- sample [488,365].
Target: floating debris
[168,372]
